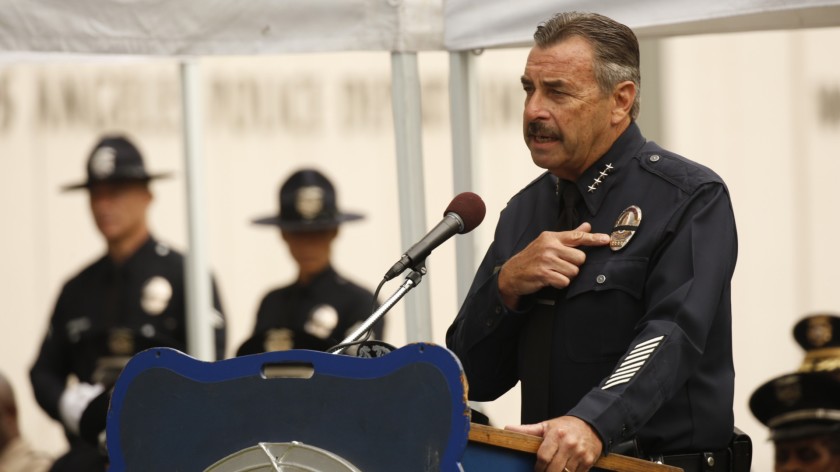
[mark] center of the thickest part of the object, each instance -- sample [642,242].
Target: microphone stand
[411,280]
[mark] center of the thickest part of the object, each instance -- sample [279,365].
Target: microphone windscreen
[470,207]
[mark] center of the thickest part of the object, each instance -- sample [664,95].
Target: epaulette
[683,173]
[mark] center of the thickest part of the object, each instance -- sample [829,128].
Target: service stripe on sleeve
[632,362]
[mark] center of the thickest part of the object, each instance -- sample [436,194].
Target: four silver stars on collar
[601,176]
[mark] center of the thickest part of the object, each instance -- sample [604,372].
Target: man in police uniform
[802,411]
[606,291]
[131,299]
[321,307]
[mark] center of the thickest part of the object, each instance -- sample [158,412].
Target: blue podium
[306,410]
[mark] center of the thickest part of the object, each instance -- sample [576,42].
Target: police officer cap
[308,203]
[798,405]
[115,159]
[819,336]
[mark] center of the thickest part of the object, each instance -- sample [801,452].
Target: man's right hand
[550,260]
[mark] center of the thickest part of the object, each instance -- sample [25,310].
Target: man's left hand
[569,444]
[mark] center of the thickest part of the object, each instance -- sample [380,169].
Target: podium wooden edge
[526,443]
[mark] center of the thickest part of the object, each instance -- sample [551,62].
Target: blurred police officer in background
[321,307]
[802,409]
[16,454]
[130,299]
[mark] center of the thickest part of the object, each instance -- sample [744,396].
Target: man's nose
[535,107]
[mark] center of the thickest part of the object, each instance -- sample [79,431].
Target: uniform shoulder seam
[534,182]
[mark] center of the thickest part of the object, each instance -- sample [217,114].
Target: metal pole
[463,106]
[407,129]
[199,301]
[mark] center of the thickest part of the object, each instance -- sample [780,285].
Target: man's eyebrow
[555,83]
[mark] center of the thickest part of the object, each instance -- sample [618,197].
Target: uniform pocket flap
[625,274]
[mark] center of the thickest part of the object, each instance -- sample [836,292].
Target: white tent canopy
[476,24]
[219,27]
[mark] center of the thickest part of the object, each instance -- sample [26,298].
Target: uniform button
[488,323]
[498,309]
[601,278]
[147,330]
[654,158]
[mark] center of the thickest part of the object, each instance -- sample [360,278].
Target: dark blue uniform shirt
[109,313]
[314,316]
[641,344]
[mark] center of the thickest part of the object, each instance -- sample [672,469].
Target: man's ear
[624,94]
[146,189]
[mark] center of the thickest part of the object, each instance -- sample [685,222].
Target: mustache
[539,128]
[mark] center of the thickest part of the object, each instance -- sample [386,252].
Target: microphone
[464,213]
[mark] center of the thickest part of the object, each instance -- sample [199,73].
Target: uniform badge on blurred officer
[819,335]
[321,307]
[130,299]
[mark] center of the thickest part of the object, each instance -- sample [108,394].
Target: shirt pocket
[602,307]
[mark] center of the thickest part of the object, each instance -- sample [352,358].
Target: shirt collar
[318,279]
[147,247]
[596,181]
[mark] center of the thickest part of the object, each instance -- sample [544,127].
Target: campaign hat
[308,202]
[115,159]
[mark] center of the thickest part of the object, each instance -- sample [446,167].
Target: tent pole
[199,303]
[405,98]
[463,106]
